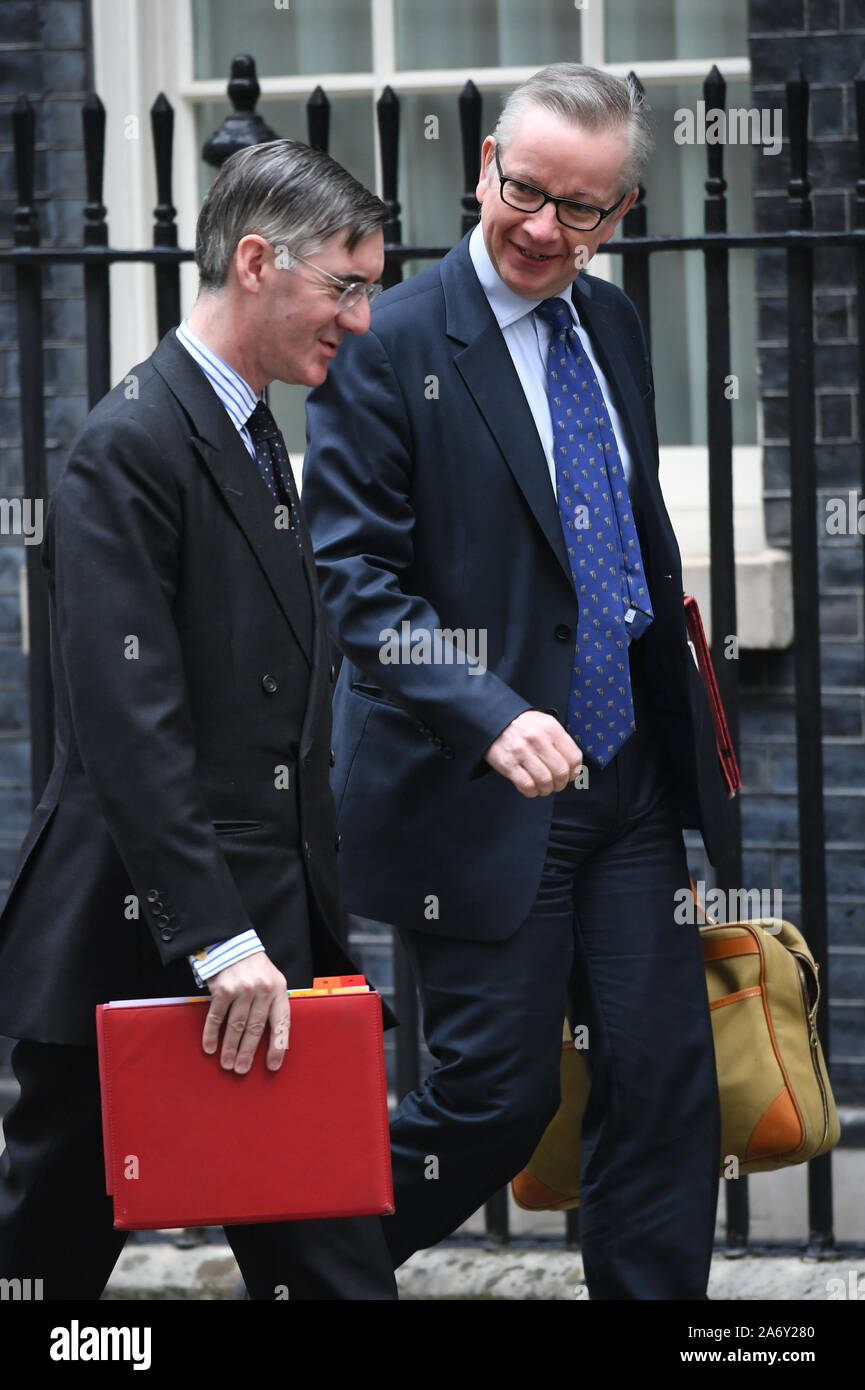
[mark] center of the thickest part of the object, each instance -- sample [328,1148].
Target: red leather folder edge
[169,1221]
[726,753]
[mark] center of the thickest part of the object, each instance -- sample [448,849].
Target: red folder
[189,1144]
[726,752]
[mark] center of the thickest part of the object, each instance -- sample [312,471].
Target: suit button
[166,934]
[332,758]
[332,674]
[152,895]
[563,632]
[269,685]
[439,742]
[306,849]
[448,752]
[337,842]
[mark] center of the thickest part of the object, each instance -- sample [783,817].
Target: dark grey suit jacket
[193,681]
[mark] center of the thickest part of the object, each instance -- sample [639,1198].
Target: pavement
[159,1270]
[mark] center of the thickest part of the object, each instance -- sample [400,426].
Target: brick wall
[44,53]
[827,38]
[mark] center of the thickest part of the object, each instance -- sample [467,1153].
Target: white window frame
[145,46]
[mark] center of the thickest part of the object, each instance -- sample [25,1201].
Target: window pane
[431,179]
[310,36]
[351,136]
[664,29]
[675,189]
[485,33]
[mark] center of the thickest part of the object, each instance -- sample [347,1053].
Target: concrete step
[159,1270]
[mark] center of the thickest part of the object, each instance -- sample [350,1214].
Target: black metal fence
[799,241]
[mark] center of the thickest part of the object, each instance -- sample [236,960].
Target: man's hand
[246,997]
[536,754]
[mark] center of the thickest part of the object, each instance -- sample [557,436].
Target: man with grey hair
[485,459]
[186,835]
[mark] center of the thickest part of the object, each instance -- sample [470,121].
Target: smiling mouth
[532,255]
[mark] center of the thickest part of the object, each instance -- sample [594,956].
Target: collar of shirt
[507,306]
[236,394]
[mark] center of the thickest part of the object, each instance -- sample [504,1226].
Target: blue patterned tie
[601,540]
[271,457]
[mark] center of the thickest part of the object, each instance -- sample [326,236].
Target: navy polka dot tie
[271,457]
[601,540]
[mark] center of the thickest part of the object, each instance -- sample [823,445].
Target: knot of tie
[261,424]
[556,313]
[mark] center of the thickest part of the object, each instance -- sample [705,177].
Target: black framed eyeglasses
[583,217]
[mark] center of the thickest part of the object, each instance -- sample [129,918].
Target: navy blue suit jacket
[429,501]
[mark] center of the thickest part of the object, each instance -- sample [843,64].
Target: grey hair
[287,193]
[590,98]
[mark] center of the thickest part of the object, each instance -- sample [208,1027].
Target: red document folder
[189,1144]
[726,752]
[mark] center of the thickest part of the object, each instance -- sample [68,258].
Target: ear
[613,222]
[483,186]
[251,255]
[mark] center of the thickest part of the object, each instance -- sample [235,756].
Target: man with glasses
[186,837]
[485,461]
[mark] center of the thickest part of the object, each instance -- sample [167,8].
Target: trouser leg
[651,1132]
[55,1218]
[301,1260]
[493,1021]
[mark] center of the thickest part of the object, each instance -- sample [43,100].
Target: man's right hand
[536,754]
[247,997]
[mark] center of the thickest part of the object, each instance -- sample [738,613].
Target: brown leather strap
[744,945]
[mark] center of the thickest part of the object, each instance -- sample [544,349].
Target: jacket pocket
[235,827]
[368,691]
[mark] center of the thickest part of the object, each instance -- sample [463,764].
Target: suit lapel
[486,367]
[222,451]
[489,373]
[606,342]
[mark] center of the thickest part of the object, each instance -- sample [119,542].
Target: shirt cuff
[215,958]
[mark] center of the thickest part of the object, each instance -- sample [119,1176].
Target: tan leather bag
[777,1106]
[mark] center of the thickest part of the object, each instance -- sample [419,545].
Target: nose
[357,318]
[543,225]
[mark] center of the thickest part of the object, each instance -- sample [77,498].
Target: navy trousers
[602,947]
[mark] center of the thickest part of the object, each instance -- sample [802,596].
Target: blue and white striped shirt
[239,400]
